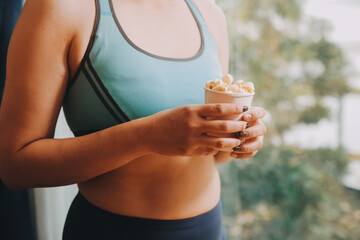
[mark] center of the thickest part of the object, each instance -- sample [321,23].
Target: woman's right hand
[182,131]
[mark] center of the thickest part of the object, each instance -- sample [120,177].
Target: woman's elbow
[9,176]
[13,185]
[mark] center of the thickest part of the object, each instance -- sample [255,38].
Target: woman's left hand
[252,137]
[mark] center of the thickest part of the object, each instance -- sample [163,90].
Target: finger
[222,126]
[218,143]
[205,151]
[221,109]
[243,155]
[253,114]
[258,129]
[250,146]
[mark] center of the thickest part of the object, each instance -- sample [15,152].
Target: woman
[132,95]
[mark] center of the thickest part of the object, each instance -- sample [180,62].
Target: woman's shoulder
[214,18]
[211,12]
[216,21]
[65,5]
[64,13]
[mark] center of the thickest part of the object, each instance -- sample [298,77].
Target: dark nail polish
[245,108]
[238,148]
[243,134]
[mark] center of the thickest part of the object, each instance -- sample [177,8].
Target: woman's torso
[152,186]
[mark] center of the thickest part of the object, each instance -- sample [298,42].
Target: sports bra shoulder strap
[196,12]
[104,7]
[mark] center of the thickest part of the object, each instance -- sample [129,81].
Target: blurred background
[304,58]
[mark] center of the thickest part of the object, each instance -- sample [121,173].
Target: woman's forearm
[54,162]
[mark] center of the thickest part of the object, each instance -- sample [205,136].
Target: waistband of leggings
[213,215]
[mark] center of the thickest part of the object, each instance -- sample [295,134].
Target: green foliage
[285,55]
[314,114]
[286,192]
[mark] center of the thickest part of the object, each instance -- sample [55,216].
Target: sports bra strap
[105,7]
[196,12]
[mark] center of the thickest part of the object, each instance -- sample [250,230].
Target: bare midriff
[157,187]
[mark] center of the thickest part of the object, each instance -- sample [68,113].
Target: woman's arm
[37,73]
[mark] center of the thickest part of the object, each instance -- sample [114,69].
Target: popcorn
[234,89]
[212,83]
[228,79]
[221,88]
[250,87]
[240,83]
[225,85]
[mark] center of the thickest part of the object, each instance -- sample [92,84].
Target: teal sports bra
[118,82]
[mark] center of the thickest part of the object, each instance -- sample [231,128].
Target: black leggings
[86,221]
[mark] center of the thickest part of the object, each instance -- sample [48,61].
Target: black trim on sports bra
[89,46]
[93,71]
[88,77]
[198,54]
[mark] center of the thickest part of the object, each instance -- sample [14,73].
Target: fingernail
[243,134]
[247,116]
[238,148]
[245,108]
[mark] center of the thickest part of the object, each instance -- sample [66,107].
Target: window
[304,58]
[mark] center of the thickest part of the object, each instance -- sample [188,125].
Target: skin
[136,168]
